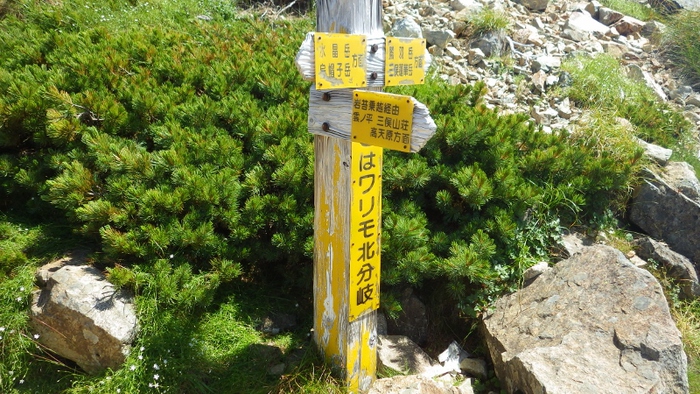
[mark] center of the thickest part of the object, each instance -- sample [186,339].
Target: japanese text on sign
[382,119]
[365,225]
[340,60]
[405,61]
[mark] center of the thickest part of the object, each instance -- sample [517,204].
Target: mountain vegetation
[169,139]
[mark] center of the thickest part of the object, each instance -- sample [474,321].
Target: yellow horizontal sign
[340,60]
[405,61]
[382,119]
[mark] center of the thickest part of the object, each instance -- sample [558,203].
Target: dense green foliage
[681,44]
[180,146]
[488,196]
[170,138]
[600,83]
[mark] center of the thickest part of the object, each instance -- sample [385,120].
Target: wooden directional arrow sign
[406,63]
[336,62]
[333,113]
[351,127]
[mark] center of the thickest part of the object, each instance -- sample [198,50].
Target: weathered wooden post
[351,127]
[350,345]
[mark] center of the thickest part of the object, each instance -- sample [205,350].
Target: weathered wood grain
[351,346]
[337,114]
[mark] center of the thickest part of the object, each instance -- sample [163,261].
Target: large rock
[416,384]
[657,153]
[401,354]
[534,5]
[667,207]
[78,315]
[677,266]
[406,27]
[439,38]
[595,323]
[584,22]
[608,16]
[412,320]
[491,43]
[693,5]
[629,25]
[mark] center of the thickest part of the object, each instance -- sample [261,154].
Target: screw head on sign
[326,96]
[373,76]
[374,48]
[326,126]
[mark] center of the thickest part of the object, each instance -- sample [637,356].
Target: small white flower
[133,367]
[156,377]
[119,390]
[21,381]
[172,256]
[21,288]
[36,336]
[156,367]
[142,348]
[19,299]
[165,361]
[2,329]
[140,357]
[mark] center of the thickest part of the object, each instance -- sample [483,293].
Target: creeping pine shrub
[489,194]
[181,148]
[180,144]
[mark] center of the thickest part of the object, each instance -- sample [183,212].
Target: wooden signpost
[351,128]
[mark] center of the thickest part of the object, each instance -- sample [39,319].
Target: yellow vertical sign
[340,60]
[365,229]
[405,61]
[382,119]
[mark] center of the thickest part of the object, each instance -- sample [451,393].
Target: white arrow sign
[331,114]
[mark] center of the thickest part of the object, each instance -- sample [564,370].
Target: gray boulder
[412,320]
[78,315]
[655,152]
[469,5]
[534,5]
[677,266]
[491,43]
[594,323]
[439,38]
[667,207]
[583,22]
[629,25]
[608,16]
[693,5]
[406,27]
[401,354]
[416,384]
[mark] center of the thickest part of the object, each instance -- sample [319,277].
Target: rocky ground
[521,67]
